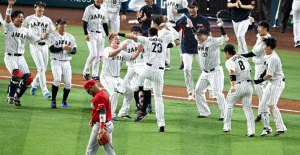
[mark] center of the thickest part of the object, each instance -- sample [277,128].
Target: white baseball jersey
[258,49]
[274,66]
[130,48]
[243,92]
[212,75]
[58,41]
[38,26]
[209,52]
[240,66]
[177,4]
[95,18]
[15,38]
[113,5]
[155,47]
[112,65]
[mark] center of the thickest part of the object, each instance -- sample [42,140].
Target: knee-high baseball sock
[136,97]
[21,89]
[12,88]
[54,92]
[66,94]
[147,100]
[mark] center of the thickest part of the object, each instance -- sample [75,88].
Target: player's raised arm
[128,36]
[135,54]
[9,10]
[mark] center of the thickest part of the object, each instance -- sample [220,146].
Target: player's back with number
[241,66]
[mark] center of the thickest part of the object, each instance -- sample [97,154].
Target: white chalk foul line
[176,97]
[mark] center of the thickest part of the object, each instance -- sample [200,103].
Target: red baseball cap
[88,84]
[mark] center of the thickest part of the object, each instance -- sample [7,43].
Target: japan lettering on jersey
[209,52]
[16,37]
[113,5]
[38,26]
[274,66]
[130,48]
[95,18]
[177,4]
[58,41]
[155,48]
[258,49]
[112,65]
[240,66]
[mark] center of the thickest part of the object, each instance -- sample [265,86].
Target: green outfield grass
[175,76]
[36,129]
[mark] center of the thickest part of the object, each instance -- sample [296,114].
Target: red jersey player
[101,117]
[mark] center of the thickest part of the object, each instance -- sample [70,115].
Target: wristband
[121,34]
[232,77]
[222,31]
[8,11]
[102,124]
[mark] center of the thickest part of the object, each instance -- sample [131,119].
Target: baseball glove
[103,137]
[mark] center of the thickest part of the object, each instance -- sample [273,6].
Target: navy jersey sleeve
[180,23]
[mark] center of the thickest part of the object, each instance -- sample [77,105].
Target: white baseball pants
[61,69]
[96,47]
[243,92]
[187,70]
[114,86]
[215,79]
[296,14]
[40,56]
[240,29]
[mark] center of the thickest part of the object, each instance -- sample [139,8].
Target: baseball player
[40,26]
[62,46]
[257,55]
[110,74]
[154,48]
[212,73]
[241,88]
[101,118]
[134,69]
[274,88]
[144,16]
[112,9]
[14,53]
[240,10]
[285,8]
[296,25]
[189,43]
[95,28]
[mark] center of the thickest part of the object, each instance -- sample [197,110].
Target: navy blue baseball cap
[229,48]
[39,3]
[193,3]
[61,21]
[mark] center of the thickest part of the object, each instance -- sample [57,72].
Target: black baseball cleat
[161,129]
[181,66]
[86,77]
[250,135]
[150,109]
[17,102]
[140,117]
[10,100]
[201,116]
[221,119]
[297,44]
[96,78]
[278,133]
[266,131]
[258,118]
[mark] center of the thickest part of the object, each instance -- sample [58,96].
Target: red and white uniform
[100,102]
